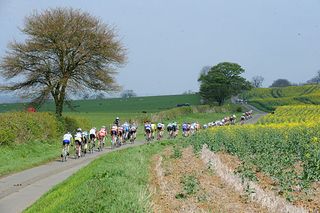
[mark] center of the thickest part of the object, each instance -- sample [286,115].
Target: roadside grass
[116,182]
[18,157]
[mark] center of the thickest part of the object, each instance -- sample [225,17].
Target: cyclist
[198,126]
[85,137]
[78,142]
[101,137]
[233,119]
[175,129]
[117,121]
[120,135]
[92,138]
[148,129]
[160,129]
[114,133]
[169,129]
[132,132]
[192,128]
[242,119]
[66,142]
[153,130]
[126,128]
[185,131]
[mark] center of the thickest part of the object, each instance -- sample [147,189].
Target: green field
[130,105]
[268,99]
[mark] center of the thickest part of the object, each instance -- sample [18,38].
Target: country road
[20,190]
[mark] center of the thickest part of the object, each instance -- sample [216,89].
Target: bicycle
[148,137]
[160,135]
[113,141]
[91,146]
[78,151]
[64,155]
[101,144]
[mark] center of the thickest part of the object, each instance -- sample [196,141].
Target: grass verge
[18,157]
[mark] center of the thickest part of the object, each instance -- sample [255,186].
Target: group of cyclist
[230,120]
[152,130]
[85,141]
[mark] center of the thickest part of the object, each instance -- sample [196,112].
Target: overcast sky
[169,41]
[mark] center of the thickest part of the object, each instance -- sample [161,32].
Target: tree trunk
[59,106]
[59,99]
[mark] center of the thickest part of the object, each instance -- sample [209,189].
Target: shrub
[20,127]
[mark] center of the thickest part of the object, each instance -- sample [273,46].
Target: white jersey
[92,132]
[67,137]
[78,135]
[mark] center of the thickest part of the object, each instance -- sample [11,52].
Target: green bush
[21,127]
[71,123]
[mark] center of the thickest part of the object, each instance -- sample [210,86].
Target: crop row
[270,98]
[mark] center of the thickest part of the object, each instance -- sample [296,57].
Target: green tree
[66,52]
[281,83]
[221,82]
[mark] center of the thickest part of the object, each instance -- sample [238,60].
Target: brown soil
[213,194]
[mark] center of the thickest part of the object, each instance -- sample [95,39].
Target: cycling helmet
[103,127]
[79,130]
[117,118]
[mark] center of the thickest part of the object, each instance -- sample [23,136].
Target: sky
[168,42]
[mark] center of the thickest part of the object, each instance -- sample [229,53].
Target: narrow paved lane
[20,190]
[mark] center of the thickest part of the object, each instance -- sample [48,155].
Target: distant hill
[135,104]
[269,98]
[9,99]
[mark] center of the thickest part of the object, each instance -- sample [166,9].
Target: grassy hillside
[131,105]
[269,98]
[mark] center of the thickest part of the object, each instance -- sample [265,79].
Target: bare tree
[66,52]
[257,81]
[315,79]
